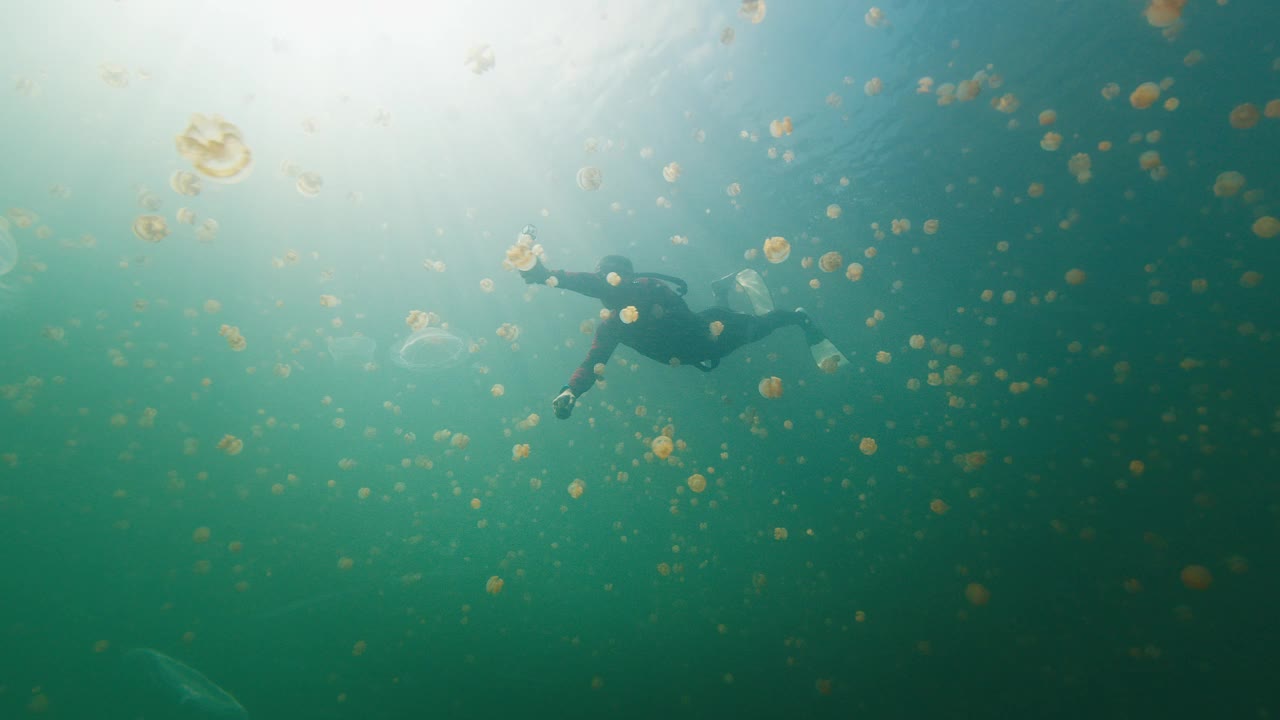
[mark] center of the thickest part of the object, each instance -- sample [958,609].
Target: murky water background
[1043,488]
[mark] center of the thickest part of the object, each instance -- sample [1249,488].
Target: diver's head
[615,264]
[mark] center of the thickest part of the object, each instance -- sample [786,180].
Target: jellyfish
[352,351]
[428,350]
[164,687]
[8,263]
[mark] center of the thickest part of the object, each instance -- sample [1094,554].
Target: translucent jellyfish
[428,350]
[834,211]
[771,387]
[697,482]
[752,11]
[726,36]
[1196,577]
[662,447]
[208,230]
[1051,141]
[494,585]
[185,182]
[1145,95]
[309,183]
[114,75]
[590,178]
[1245,116]
[930,226]
[151,228]
[1228,184]
[1048,117]
[8,250]
[186,216]
[874,87]
[354,351]
[164,687]
[480,59]
[216,148]
[1075,276]
[777,249]
[830,261]
[778,128]
[1164,13]
[733,190]
[875,18]
[629,314]
[1272,109]
[854,272]
[671,172]
[1266,227]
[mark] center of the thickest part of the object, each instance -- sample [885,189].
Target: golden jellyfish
[1164,13]
[480,59]
[1035,190]
[1193,58]
[753,11]
[208,230]
[830,261]
[671,172]
[900,226]
[201,535]
[519,451]
[309,183]
[185,182]
[931,226]
[494,585]
[1272,109]
[1149,160]
[1110,91]
[977,594]
[151,228]
[329,301]
[359,648]
[1048,117]
[868,446]
[875,18]
[186,216]
[1172,104]
[939,506]
[854,272]
[590,178]
[716,328]
[628,314]
[1245,116]
[576,488]
[1051,141]
[215,148]
[777,249]
[231,445]
[1075,276]
[1007,103]
[780,534]
[874,87]
[1228,184]
[834,211]
[1080,165]
[1251,279]
[1145,95]
[733,190]
[771,388]
[778,128]
[497,390]
[916,342]
[697,482]
[662,447]
[967,90]
[524,254]
[1266,227]
[613,279]
[486,285]
[1196,577]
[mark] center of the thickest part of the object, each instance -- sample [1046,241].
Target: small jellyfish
[208,230]
[1228,184]
[1145,95]
[1245,116]
[671,172]
[309,183]
[494,585]
[116,76]
[590,178]
[875,18]
[628,314]
[216,148]
[770,388]
[662,447]
[830,261]
[1075,276]
[480,59]
[834,211]
[752,11]
[185,182]
[777,249]
[151,228]
[1266,227]
[697,482]
[854,272]
[726,36]
[874,87]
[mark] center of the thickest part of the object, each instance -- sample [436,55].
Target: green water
[1048,463]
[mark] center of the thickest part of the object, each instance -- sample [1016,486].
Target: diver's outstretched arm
[584,283]
[602,347]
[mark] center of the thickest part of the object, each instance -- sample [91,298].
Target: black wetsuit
[666,329]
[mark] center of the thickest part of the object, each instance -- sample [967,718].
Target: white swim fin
[828,358]
[756,291]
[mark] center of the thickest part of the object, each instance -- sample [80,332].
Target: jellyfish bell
[429,350]
[354,351]
[164,687]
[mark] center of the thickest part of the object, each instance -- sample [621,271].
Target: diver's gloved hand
[537,274]
[563,404]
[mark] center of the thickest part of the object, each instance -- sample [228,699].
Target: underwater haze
[276,425]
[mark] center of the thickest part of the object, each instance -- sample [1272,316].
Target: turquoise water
[1070,506]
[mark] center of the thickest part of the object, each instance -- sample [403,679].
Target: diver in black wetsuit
[666,329]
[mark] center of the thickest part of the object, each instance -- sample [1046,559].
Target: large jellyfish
[165,688]
[428,350]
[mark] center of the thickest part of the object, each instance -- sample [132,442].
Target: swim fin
[757,292]
[828,358]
